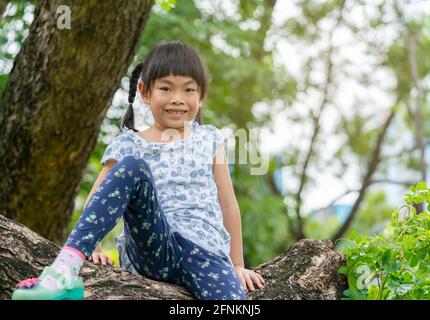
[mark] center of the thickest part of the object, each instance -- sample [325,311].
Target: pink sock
[68,262]
[70,257]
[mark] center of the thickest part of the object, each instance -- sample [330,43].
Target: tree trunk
[308,270]
[57,95]
[3,5]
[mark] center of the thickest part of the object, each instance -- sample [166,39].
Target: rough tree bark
[56,98]
[3,5]
[307,270]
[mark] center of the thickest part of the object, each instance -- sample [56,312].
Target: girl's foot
[65,288]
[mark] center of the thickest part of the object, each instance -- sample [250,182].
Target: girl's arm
[229,206]
[231,215]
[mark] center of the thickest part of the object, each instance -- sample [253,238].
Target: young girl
[170,184]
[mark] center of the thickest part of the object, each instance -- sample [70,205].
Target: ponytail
[199,116]
[128,118]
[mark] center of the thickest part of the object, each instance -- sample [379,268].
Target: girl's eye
[166,89]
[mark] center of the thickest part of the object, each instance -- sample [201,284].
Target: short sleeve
[219,140]
[117,149]
[216,137]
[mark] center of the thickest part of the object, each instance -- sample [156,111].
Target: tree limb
[335,200]
[307,270]
[275,190]
[299,232]
[3,5]
[375,181]
[371,168]
[411,42]
[391,181]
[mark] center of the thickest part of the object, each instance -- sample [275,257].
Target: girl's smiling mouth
[176,112]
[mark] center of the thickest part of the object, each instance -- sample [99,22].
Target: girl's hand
[99,257]
[247,276]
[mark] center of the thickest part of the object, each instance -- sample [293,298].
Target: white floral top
[183,176]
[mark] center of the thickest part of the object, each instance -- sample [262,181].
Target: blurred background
[338,90]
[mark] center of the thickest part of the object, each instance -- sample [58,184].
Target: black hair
[166,58]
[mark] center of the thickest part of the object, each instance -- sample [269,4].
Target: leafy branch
[396,264]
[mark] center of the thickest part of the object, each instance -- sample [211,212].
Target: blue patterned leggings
[154,249]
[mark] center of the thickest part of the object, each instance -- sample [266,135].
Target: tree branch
[411,42]
[332,203]
[335,200]
[275,190]
[371,168]
[3,5]
[299,232]
[391,181]
[307,270]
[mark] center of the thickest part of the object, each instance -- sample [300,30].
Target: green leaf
[386,258]
[414,260]
[343,270]
[422,252]
[399,258]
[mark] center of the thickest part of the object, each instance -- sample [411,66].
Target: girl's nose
[176,102]
[177,98]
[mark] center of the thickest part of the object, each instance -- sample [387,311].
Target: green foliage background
[248,89]
[394,265]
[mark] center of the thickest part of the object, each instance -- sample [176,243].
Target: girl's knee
[133,161]
[137,165]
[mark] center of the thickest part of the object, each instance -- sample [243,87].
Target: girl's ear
[143,95]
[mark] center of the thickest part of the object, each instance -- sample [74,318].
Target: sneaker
[67,289]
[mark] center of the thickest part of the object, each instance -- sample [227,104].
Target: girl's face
[173,100]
